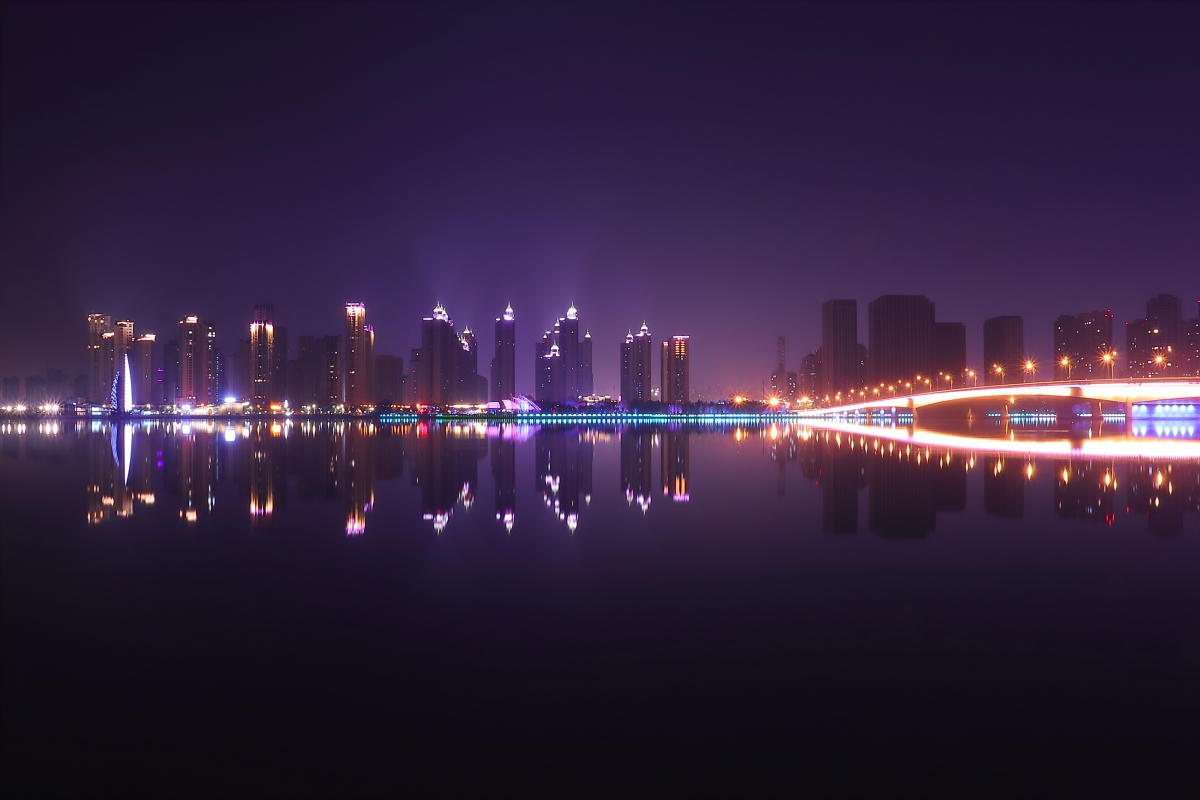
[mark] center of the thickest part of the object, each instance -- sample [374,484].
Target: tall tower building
[439,377]
[197,362]
[357,356]
[900,329]
[122,342]
[587,385]
[1003,350]
[97,388]
[637,360]
[541,368]
[779,372]
[141,364]
[839,346]
[262,357]
[568,350]
[504,363]
[676,369]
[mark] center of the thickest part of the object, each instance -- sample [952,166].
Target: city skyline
[806,197]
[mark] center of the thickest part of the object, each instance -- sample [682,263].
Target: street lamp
[1000,372]
[1110,358]
[1066,362]
[974,378]
[1030,369]
[950,378]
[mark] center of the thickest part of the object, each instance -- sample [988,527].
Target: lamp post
[1110,358]
[1030,369]
[974,378]
[1066,362]
[1000,372]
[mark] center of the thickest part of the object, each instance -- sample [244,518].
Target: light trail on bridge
[1107,391]
[1113,447]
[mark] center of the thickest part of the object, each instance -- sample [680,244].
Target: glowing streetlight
[1000,372]
[1110,358]
[974,378]
[1030,369]
[950,379]
[1066,362]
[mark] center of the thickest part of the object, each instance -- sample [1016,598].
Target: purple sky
[718,170]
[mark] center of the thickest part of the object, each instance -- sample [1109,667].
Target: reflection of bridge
[1126,394]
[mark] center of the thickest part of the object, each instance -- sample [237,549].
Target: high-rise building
[262,357]
[122,342]
[900,330]
[171,370]
[948,351]
[839,346]
[99,384]
[637,360]
[1003,350]
[1153,344]
[809,378]
[412,383]
[197,362]
[279,367]
[587,384]
[568,349]
[471,386]
[676,369]
[11,391]
[1191,345]
[357,371]
[438,382]
[504,363]
[1080,342]
[542,368]
[330,383]
[778,380]
[141,364]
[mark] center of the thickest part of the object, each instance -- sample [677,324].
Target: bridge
[1129,395]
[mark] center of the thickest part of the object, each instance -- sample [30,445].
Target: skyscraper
[900,329]
[504,363]
[637,360]
[779,372]
[357,372]
[568,349]
[676,369]
[197,362]
[141,362]
[439,379]
[587,385]
[839,346]
[809,378]
[389,380]
[122,342]
[1003,350]
[98,386]
[262,357]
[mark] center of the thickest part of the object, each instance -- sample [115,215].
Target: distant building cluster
[907,350]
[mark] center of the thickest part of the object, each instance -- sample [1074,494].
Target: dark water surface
[335,609]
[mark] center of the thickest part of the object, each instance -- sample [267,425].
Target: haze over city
[715,174]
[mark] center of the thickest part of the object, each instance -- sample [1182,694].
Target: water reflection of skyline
[908,481]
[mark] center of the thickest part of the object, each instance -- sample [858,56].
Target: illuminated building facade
[637,360]
[98,378]
[900,329]
[808,380]
[262,357]
[563,362]
[676,370]
[1153,345]
[440,353]
[1080,341]
[122,342]
[142,378]
[197,362]
[357,342]
[1003,350]
[779,373]
[503,384]
[839,346]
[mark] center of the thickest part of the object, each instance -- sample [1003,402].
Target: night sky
[717,170]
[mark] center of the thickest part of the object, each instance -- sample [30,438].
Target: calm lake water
[335,608]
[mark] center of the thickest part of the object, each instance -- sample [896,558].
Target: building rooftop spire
[571,312]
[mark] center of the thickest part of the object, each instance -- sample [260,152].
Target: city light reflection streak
[1099,447]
